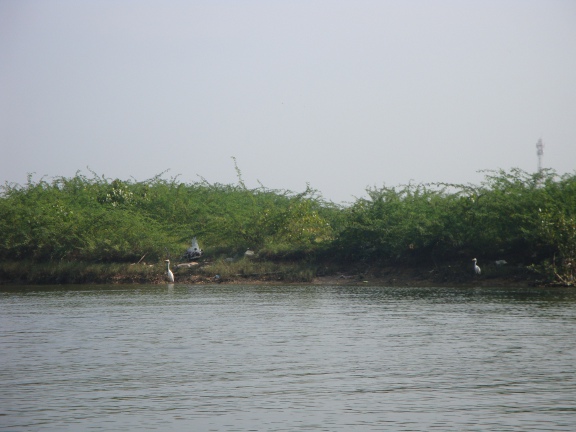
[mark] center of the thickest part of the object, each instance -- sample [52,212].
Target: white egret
[476,268]
[169,274]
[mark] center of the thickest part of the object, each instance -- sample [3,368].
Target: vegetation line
[51,228]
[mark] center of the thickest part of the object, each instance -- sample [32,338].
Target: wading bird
[476,268]
[194,252]
[169,274]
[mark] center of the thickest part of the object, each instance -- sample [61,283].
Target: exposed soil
[445,275]
[392,276]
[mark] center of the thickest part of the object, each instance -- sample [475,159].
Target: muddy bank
[385,276]
[426,276]
[218,272]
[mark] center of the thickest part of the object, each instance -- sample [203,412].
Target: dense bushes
[527,219]
[97,219]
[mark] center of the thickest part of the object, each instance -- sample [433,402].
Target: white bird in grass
[476,268]
[169,273]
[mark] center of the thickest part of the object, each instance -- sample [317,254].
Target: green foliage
[527,219]
[524,218]
[102,220]
[395,223]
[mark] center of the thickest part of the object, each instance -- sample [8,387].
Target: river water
[286,358]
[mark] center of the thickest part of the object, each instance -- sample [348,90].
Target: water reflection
[286,358]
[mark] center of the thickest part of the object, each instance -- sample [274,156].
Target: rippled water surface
[286,358]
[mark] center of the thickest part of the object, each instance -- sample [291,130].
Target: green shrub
[527,219]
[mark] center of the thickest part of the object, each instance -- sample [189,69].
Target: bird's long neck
[168,265]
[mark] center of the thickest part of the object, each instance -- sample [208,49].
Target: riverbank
[399,277]
[265,272]
[99,230]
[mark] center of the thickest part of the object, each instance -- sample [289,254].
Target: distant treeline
[525,219]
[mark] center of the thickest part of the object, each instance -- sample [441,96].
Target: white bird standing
[169,273]
[476,268]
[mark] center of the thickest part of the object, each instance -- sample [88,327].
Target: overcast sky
[342,95]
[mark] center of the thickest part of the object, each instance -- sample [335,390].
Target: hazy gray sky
[339,94]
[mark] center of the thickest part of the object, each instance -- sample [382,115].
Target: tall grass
[526,219]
